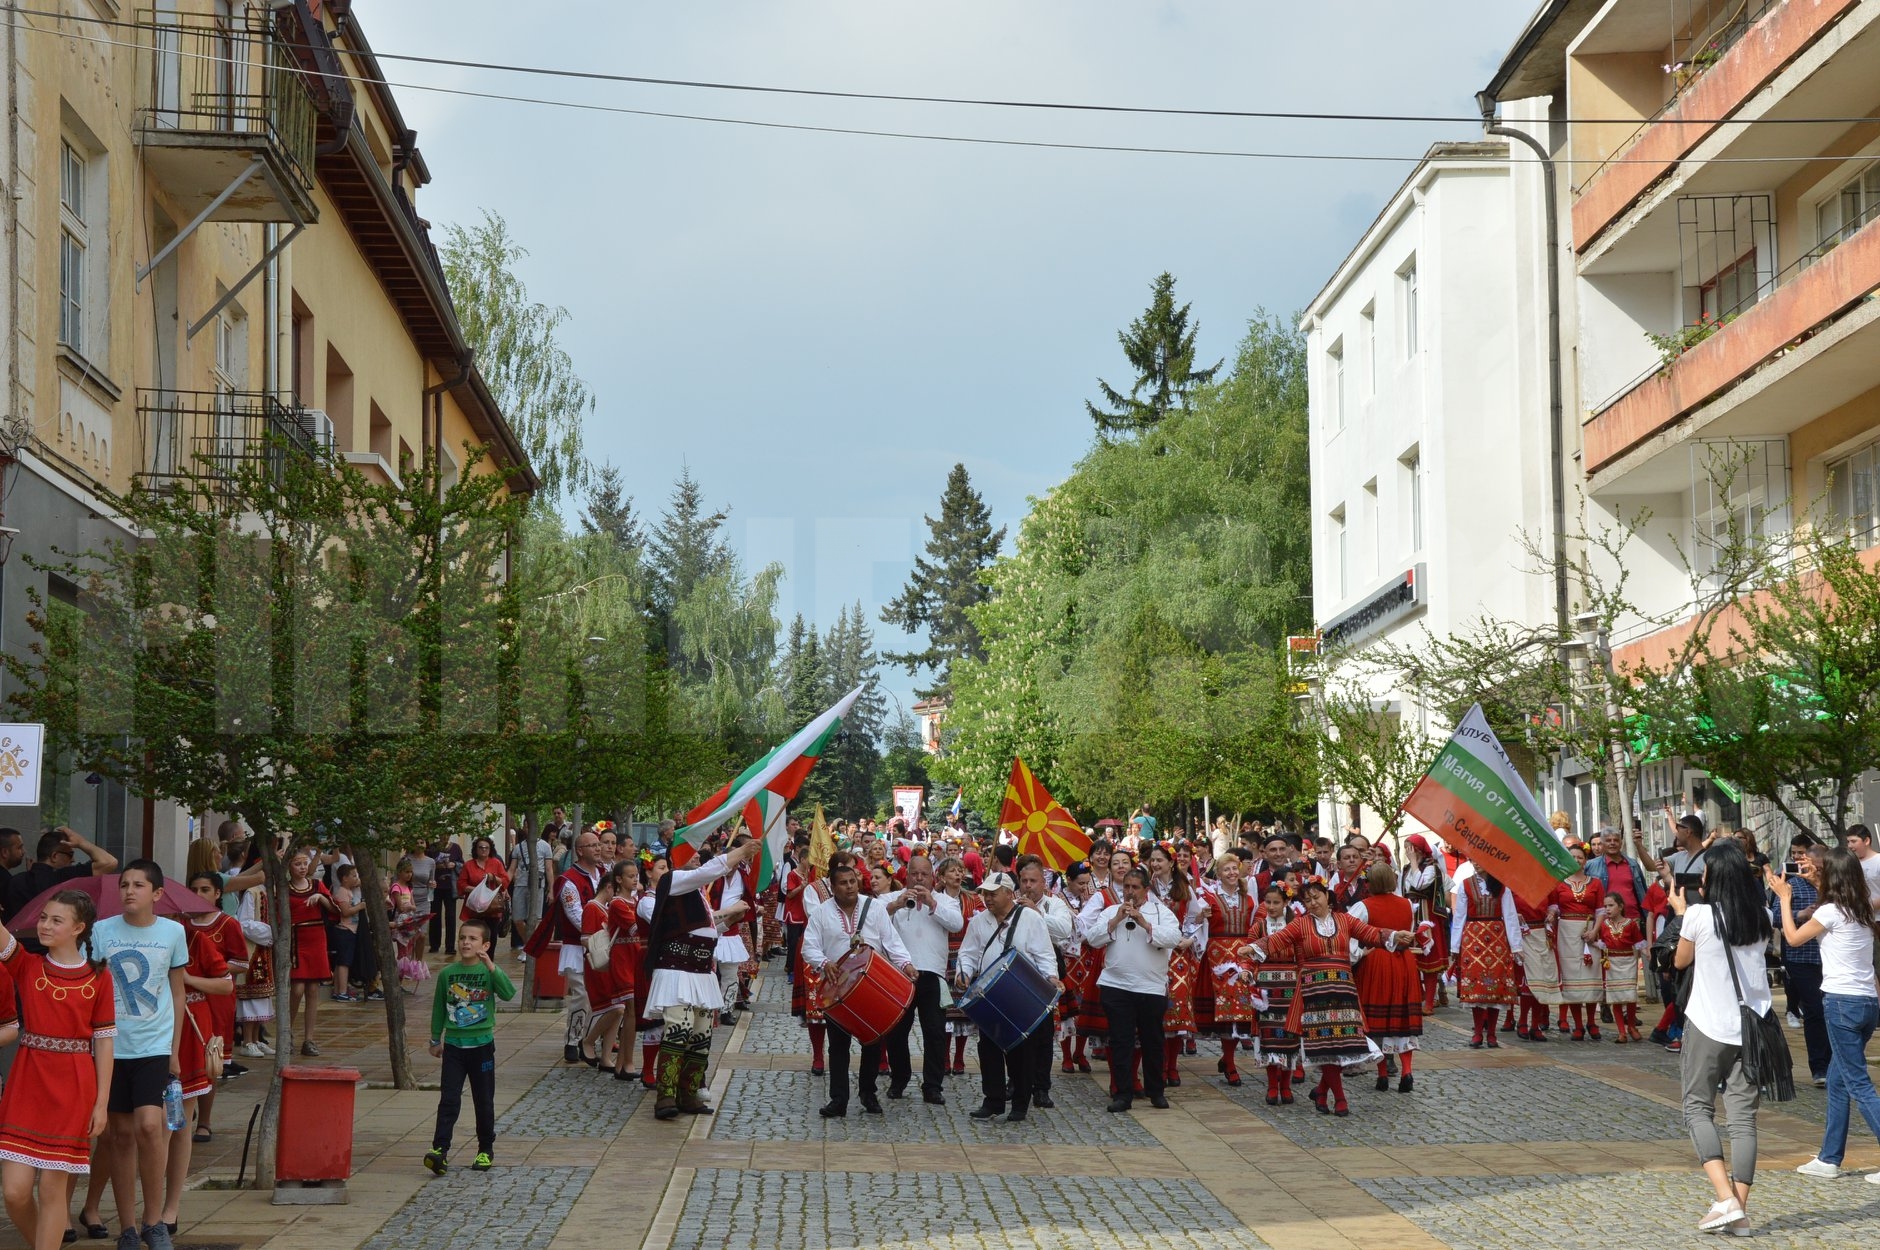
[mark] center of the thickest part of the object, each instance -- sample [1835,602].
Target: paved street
[1568,1146]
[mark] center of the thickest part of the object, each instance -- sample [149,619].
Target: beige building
[213,244]
[1723,165]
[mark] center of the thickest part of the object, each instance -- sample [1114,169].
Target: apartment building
[213,244]
[1431,454]
[1724,160]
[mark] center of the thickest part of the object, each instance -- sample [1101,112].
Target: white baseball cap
[997,881]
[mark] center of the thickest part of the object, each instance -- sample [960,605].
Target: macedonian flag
[1043,827]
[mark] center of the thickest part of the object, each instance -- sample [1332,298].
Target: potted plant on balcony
[1673,345]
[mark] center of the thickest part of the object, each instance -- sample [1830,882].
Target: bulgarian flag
[1475,800]
[761,793]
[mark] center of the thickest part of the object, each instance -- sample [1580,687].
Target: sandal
[93,1232]
[201,1135]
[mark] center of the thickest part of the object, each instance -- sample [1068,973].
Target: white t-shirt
[1870,869]
[1712,1009]
[1846,953]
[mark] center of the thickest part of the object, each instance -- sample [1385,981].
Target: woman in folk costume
[1093,1023]
[1224,1003]
[1485,933]
[1173,889]
[1619,940]
[1537,972]
[1079,885]
[1425,884]
[652,1027]
[1326,1013]
[1389,984]
[806,986]
[609,995]
[1274,987]
[1573,913]
[732,900]
[960,1029]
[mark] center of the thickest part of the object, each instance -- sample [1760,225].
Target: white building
[1431,455]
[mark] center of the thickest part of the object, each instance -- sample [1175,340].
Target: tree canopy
[1160,347]
[946,583]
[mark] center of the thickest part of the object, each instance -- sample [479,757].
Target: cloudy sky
[821,325]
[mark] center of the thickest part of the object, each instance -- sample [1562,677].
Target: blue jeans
[1851,1019]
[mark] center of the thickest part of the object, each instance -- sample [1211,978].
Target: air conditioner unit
[319,428]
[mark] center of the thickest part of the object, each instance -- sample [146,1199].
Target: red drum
[866,995]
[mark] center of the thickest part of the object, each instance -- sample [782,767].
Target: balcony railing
[217,435]
[227,85]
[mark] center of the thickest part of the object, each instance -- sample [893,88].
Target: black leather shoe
[571,1054]
[834,1110]
[1118,1104]
[1159,1102]
[897,1091]
[872,1106]
[1406,1084]
[1015,1116]
[987,1111]
[933,1097]
[1042,1102]
[1383,1083]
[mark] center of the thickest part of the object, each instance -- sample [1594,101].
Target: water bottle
[173,1105]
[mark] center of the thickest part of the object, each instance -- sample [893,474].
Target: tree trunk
[520,907]
[379,925]
[274,872]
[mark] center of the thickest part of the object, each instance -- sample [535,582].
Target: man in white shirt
[841,924]
[1137,935]
[1061,924]
[1004,923]
[925,918]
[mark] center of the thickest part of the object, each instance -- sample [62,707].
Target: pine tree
[687,547]
[610,510]
[848,771]
[1160,346]
[945,583]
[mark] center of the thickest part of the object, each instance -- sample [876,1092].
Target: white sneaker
[1872,1178]
[265,1048]
[1792,1020]
[251,1051]
[1826,1171]
[1720,1216]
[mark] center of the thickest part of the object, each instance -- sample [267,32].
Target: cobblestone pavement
[1457,1106]
[516,1208]
[952,1211]
[777,1032]
[571,1100]
[781,1106]
[1641,1209]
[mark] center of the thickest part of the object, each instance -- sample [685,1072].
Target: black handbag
[1765,1053]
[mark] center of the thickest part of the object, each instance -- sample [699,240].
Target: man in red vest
[573,891]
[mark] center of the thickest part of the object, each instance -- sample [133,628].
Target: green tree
[849,770]
[1160,347]
[904,763]
[946,583]
[517,345]
[609,511]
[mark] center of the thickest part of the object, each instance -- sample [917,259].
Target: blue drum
[1009,1000]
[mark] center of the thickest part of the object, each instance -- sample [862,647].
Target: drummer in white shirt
[1062,926]
[987,936]
[925,918]
[835,927]
[1137,935]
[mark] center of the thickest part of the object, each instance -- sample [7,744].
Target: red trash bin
[549,983]
[315,1137]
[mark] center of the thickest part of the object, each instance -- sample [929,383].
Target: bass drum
[866,995]
[1009,1000]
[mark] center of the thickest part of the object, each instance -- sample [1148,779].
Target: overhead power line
[923,136]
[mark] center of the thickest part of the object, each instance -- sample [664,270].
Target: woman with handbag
[1721,941]
[607,996]
[1842,923]
[485,884]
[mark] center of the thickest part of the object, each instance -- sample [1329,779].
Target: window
[1368,321]
[1735,288]
[1407,279]
[1850,208]
[229,370]
[74,238]
[1375,521]
[1341,563]
[1413,491]
[1335,386]
[1851,493]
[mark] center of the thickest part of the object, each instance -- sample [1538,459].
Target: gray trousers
[1709,1069]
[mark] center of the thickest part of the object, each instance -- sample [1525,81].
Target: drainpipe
[1555,405]
[431,414]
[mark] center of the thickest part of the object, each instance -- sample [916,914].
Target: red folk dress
[1326,1014]
[1277,983]
[1485,962]
[806,987]
[629,948]
[958,1023]
[1621,944]
[205,960]
[226,932]
[1092,1020]
[308,920]
[605,992]
[1581,980]
[1223,1004]
[45,1109]
[1389,985]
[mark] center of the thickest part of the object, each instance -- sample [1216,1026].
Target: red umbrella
[1109,822]
[174,901]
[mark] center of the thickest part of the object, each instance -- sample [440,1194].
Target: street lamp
[1596,647]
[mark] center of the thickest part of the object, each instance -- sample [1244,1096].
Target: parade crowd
[1304,957]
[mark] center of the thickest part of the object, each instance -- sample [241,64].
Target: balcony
[1723,71]
[214,436]
[1805,341]
[226,119]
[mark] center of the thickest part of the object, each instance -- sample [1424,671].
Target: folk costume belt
[687,952]
[58,1045]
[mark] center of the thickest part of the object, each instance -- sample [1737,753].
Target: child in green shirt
[463,1034]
